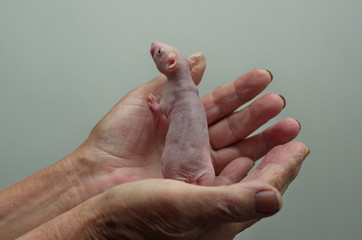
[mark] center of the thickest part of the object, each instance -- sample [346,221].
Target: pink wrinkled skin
[186,154]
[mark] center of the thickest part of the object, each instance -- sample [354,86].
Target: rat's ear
[172,61]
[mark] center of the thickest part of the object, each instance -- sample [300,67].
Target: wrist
[96,218]
[80,175]
[47,194]
[92,171]
[77,223]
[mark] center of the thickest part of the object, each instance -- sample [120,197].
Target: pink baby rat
[186,155]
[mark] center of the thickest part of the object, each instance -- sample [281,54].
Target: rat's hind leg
[153,103]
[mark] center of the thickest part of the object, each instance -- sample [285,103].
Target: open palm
[128,142]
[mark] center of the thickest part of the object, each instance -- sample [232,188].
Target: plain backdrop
[64,64]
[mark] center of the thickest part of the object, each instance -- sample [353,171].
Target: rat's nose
[153,47]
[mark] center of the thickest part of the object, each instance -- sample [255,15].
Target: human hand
[169,209]
[126,145]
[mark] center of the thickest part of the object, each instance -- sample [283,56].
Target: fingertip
[267,202]
[248,85]
[257,200]
[292,124]
[263,74]
[299,147]
[282,132]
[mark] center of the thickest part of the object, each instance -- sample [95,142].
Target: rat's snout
[157,48]
[153,47]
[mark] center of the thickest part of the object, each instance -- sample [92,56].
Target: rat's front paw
[153,103]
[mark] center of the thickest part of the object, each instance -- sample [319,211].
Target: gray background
[64,64]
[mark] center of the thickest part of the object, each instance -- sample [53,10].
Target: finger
[234,172]
[280,166]
[148,205]
[197,63]
[242,123]
[235,203]
[226,99]
[258,145]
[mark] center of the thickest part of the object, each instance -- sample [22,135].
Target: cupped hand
[164,209]
[126,145]
[170,209]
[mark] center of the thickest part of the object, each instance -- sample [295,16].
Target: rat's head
[165,57]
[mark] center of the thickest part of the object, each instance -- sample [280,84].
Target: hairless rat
[186,155]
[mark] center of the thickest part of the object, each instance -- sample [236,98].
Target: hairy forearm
[45,195]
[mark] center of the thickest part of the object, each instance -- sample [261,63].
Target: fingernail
[300,125]
[271,74]
[285,101]
[308,152]
[266,202]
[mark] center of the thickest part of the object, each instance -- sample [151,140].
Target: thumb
[174,208]
[234,203]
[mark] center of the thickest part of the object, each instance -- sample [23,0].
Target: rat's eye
[159,51]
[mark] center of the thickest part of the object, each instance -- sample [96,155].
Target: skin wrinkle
[230,126]
[154,221]
[229,206]
[217,105]
[252,119]
[99,228]
[250,86]
[239,93]
[73,192]
[220,105]
[124,132]
[288,170]
[276,180]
